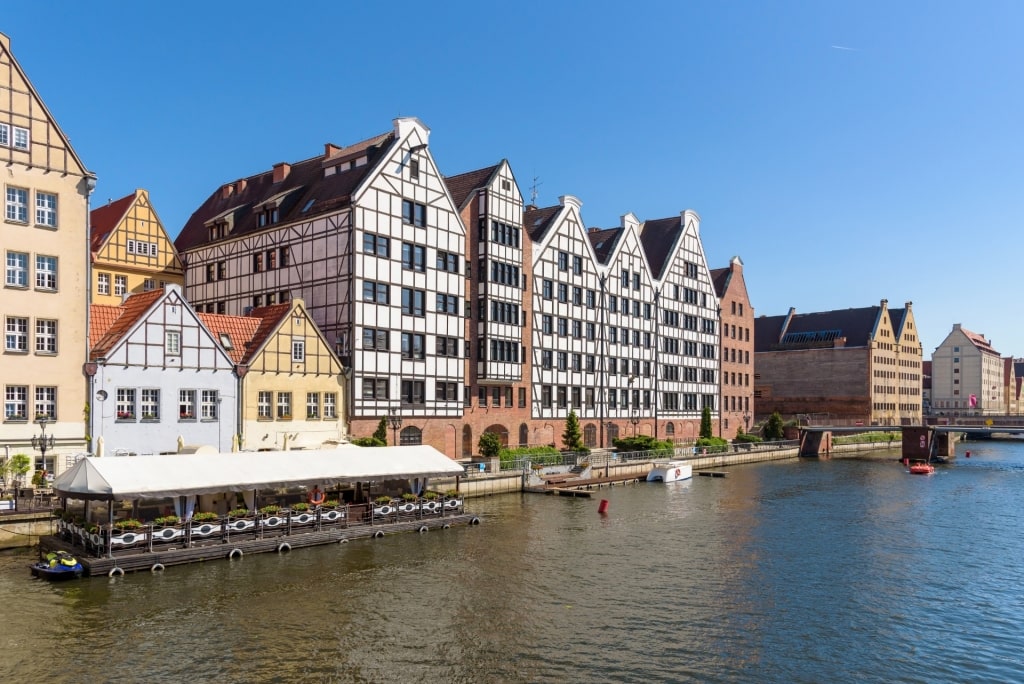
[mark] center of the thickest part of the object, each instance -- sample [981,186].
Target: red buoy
[968,454]
[602,508]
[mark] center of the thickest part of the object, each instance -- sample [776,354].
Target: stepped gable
[462,186]
[103,220]
[304,183]
[603,240]
[134,308]
[658,237]
[538,221]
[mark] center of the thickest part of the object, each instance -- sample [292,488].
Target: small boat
[921,468]
[671,471]
[57,565]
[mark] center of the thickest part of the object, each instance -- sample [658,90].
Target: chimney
[281,171]
[240,185]
[227,190]
[330,149]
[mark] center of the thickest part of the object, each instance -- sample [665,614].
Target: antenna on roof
[533,190]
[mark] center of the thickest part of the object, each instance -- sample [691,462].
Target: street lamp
[396,423]
[41,441]
[634,418]
[746,422]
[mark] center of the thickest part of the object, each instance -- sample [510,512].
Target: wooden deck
[237,546]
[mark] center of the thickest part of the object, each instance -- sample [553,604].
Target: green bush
[537,454]
[369,442]
[746,437]
[641,443]
[205,516]
[238,512]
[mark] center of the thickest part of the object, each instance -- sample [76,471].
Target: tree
[773,428]
[571,438]
[489,445]
[381,433]
[18,465]
[705,423]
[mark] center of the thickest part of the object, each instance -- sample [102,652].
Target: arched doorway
[670,432]
[499,430]
[590,435]
[524,435]
[410,435]
[613,433]
[467,441]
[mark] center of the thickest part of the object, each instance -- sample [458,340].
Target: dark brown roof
[659,237]
[462,185]
[536,221]
[603,240]
[103,220]
[817,330]
[720,279]
[305,192]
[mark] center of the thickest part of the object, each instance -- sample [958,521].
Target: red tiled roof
[978,341]
[131,311]
[239,329]
[104,219]
[101,317]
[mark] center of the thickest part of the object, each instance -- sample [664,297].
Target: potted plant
[330,503]
[238,513]
[381,500]
[270,509]
[148,416]
[431,495]
[204,517]
[300,506]
[127,524]
[409,496]
[167,520]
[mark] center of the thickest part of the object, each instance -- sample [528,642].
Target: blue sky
[846,151]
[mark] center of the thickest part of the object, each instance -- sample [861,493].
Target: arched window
[590,435]
[524,434]
[410,435]
[501,431]
[670,431]
[613,432]
[467,441]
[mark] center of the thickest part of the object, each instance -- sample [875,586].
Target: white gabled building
[369,237]
[158,374]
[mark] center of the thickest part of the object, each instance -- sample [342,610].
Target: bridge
[931,442]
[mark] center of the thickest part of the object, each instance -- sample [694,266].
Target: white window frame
[312,406]
[21,138]
[46,336]
[330,405]
[149,284]
[15,397]
[5,134]
[172,343]
[46,402]
[46,273]
[150,404]
[17,269]
[16,204]
[126,409]
[46,209]
[284,405]
[120,285]
[209,400]
[298,349]
[186,404]
[103,283]
[16,334]
[264,399]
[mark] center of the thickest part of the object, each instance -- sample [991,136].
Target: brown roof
[305,192]
[720,279]
[658,237]
[978,341]
[103,220]
[815,330]
[603,240]
[462,185]
[133,309]
[536,221]
[101,317]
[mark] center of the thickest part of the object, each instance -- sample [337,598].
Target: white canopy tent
[155,477]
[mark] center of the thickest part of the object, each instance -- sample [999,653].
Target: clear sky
[846,151]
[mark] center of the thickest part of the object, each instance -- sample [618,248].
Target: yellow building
[290,381]
[44,301]
[131,252]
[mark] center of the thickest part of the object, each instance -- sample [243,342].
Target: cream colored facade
[134,253]
[292,387]
[44,302]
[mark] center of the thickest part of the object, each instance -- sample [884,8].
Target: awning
[154,477]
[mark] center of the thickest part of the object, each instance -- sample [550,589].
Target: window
[413,301]
[448,346]
[186,404]
[103,283]
[46,209]
[375,388]
[613,304]
[563,292]
[375,338]
[20,138]
[15,402]
[46,273]
[257,262]
[284,405]
[625,278]
[298,349]
[577,296]
[504,234]
[577,265]
[446,391]
[17,269]
[590,331]
[46,336]
[636,281]
[563,261]
[282,257]
[16,339]
[271,259]
[414,257]
[545,396]
[46,402]
[172,343]
[448,304]
[590,299]
[545,323]
[412,391]
[330,405]
[5,134]
[562,360]
[414,213]
[522,397]
[374,292]
[312,405]
[17,205]
[413,345]
[150,404]
[547,289]
[563,327]
[120,285]
[447,261]
[545,359]
[125,403]
[590,363]
[263,400]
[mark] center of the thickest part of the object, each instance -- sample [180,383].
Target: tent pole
[110,524]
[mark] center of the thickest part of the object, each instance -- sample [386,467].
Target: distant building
[45,296]
[926,387]
[130,249]
[967,375]
[737,317]
[850,366]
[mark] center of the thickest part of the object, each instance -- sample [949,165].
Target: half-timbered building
[45,298]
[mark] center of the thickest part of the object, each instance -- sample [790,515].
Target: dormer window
[268,216]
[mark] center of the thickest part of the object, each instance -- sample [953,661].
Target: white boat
[670,471]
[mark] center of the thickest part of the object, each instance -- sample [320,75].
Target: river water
[799,571]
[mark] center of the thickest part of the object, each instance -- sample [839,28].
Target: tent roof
[155,477]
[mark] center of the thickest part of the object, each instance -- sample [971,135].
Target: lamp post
[746,422]
[41,441]
[395,421]
[634,418]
